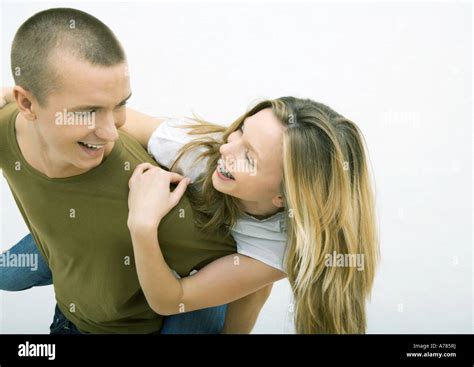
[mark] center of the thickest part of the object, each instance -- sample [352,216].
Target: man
[68,167]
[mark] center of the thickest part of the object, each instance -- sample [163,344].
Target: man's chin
[88,163]
[83,167]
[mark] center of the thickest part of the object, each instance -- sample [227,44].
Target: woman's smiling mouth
[222,172]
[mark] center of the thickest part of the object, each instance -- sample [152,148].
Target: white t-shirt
[264,240]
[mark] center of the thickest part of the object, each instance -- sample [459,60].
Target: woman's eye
[248,158]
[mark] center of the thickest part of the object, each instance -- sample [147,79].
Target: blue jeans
[205,321]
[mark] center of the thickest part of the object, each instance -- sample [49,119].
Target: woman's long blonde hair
[330,205]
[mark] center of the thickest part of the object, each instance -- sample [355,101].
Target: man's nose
[107,130]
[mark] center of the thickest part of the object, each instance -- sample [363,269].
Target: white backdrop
[402,72]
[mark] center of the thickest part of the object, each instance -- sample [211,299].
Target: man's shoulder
[7,116]
[131,144]
[132,149]
[7,113]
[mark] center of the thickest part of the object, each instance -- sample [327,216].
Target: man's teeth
[92,146]
[222,170]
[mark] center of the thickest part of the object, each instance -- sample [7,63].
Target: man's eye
[82,113]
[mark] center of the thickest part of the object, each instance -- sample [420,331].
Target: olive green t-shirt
[80,226]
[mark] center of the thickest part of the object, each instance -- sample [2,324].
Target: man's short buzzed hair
[61,29]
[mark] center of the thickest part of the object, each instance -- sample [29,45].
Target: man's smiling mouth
[91,146]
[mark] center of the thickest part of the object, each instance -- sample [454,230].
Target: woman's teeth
[222,170]
[91,146]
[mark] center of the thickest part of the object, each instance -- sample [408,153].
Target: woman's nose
[223,149]
[234,136]
[232,142]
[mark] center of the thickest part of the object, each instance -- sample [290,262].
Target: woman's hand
[150,198]
[6,96]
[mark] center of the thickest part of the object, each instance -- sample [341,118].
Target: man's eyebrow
[91,107]
[84,108]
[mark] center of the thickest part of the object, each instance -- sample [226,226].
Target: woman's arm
[6,96]
[242,314]
[224,280]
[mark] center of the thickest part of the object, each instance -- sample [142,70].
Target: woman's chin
[219,185]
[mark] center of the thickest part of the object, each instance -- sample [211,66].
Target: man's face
[78,126]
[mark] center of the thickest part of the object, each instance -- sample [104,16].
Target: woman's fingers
[179,191]
[175,177]
[139,170]
[144,167]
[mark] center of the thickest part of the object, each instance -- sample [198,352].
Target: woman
[312,171]
[306,173]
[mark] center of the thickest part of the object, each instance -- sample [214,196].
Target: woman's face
[250,167]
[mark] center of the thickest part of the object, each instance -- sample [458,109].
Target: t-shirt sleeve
[265,241]
[167,140]
[7,113]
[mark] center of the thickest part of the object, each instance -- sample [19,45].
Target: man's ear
[278,201]
[24,100]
